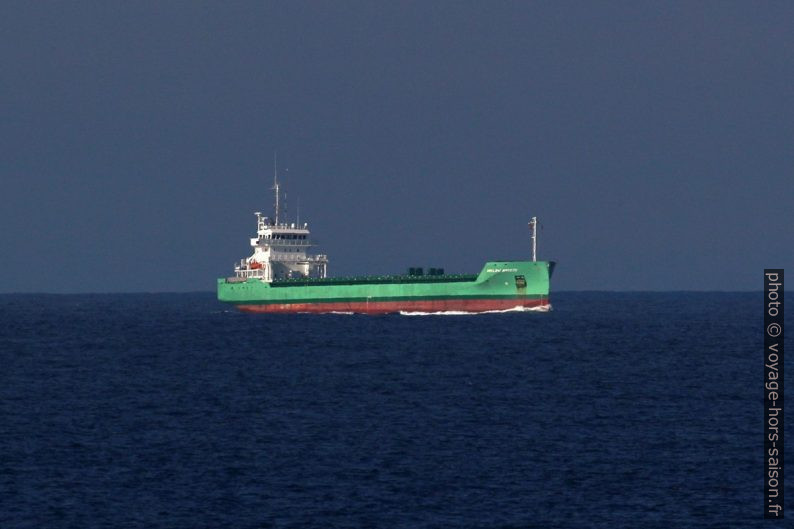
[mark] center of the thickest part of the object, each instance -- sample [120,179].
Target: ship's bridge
[280,252]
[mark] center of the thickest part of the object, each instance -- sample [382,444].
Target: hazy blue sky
[654,140]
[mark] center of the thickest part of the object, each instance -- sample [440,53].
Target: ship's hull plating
[499,286]
[387,307]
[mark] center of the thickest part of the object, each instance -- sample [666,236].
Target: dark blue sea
[170,411]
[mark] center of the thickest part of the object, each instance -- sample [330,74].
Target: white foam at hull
[544,308]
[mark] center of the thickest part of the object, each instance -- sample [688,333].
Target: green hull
[500,285]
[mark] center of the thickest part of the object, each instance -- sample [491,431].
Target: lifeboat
[254,265]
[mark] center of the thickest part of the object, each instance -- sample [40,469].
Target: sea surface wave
[167,410]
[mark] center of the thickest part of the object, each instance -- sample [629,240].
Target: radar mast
[275,183]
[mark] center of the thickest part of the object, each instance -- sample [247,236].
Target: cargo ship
[283,276]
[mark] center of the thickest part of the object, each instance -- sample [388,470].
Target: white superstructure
[281,250]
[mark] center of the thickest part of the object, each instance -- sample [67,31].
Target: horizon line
[186,292]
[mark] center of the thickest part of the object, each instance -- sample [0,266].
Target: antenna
[275,181]
[298,210]
[533,229]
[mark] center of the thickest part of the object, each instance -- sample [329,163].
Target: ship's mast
[533,228]
[275,183]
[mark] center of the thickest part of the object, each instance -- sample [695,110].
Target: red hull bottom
[387,307]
